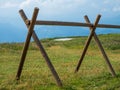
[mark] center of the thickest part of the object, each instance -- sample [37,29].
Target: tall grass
[93,74]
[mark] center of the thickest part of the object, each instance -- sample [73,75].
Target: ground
[94,73]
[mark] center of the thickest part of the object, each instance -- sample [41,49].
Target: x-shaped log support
[30,26]
[93,34]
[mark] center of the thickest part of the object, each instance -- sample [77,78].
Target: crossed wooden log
[30,25]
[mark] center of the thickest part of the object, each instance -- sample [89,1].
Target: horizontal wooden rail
[108,26]
[59,23]
[62,23]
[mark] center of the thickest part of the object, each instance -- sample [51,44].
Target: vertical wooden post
[31,27]
[87,43]
[42,50]
[101,48]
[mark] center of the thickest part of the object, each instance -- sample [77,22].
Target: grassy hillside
[93,74]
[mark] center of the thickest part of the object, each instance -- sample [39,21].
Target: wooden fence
[31,33]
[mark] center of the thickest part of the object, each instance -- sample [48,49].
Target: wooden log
[60,23]
[31,27]
[108,26]
[42,50]
[87,43]
[101,49]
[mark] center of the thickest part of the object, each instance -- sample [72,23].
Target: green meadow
[93,74]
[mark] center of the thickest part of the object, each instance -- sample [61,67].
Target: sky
[12,26]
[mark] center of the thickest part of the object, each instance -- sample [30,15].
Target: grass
[93,74]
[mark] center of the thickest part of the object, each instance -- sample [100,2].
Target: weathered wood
[101,48]
[59,23]
[87,43]
[108,26]
[31,27]
[42,50]
[44,54]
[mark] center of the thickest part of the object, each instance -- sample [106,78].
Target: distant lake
[19,35]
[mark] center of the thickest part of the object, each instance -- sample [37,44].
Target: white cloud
[94,5]
[62,7]
[52,3]
[50,7]
[27,3]
[8,5]
[106,1]
[116,9]
[104,10]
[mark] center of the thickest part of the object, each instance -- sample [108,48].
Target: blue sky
[64,10]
